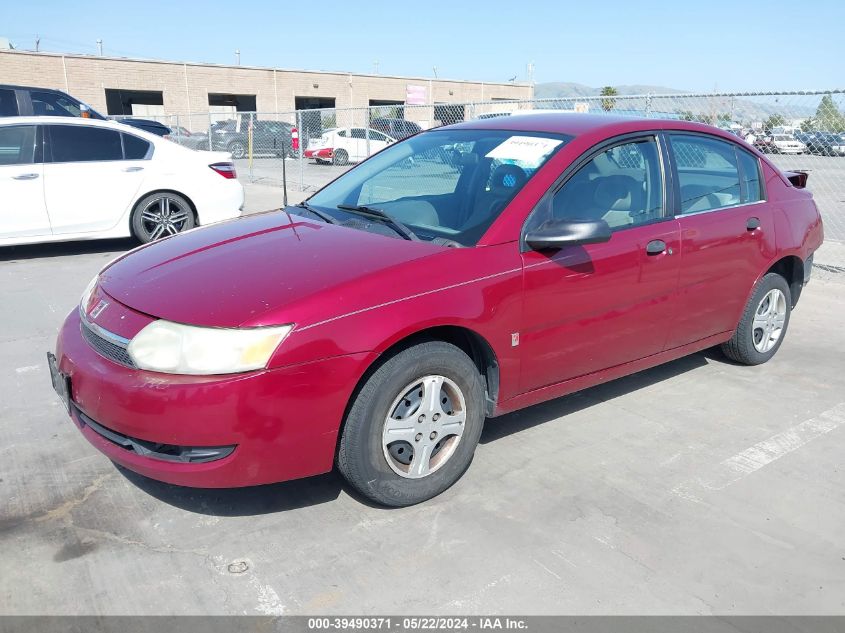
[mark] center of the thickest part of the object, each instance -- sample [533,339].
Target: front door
[592,307]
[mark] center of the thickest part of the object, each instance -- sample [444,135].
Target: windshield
[448,184]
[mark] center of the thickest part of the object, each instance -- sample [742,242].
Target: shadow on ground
[64,249]
[292,495]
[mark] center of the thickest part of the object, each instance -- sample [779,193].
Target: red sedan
[460,274]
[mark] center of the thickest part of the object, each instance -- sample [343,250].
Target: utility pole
[37,43]
[434,68]
[238,56]
[100,47]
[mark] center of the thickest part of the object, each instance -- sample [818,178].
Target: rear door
[23,212]
[88,185]
[727,233]
[588,308]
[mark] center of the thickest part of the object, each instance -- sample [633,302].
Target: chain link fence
[308,148]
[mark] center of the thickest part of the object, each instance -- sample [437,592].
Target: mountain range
[564,89]
[744,108]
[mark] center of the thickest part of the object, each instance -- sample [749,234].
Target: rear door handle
[655,247]
[133,168]
[752,224]
[25,177]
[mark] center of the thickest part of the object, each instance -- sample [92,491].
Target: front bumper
[282,423]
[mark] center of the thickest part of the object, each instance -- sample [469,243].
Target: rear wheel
[160,215]
[413,427]
[237,149]
[762,327]
[340,157]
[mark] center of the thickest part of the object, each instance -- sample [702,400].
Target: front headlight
[174,348]
[86,294]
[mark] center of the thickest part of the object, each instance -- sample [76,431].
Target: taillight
[227,170]
[294,138]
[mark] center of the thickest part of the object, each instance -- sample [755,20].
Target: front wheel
[762,327]
[413,428]
[160,215]
[340,157]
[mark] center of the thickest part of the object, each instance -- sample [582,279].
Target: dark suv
[395,128]
[268,137]
[32,101]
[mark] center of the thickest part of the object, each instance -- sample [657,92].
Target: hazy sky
[728,45]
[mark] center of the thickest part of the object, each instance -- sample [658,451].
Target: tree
[828,116]
[773,121]
[609,102]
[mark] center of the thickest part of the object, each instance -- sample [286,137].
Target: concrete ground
[696,487]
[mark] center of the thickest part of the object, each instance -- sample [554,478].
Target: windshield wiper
[325,217]
[378,214]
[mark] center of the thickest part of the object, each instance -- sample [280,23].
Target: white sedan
[346,145]
[786,144]
[63,178]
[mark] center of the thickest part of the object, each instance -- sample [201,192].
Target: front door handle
[25,177]
[752,224]
[655,247]
[133,168]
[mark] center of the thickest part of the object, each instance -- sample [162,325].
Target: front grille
[155,450]
[113,349]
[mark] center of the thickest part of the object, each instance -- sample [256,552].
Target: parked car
[826,144]
[395,128]
[786,144]
[74,179]
[376,325]
[148,125]
[186,138]
[344,145]
[276,138]
[765,144]
[34,101]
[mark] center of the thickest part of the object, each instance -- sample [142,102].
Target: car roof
[577,124]
[73,120]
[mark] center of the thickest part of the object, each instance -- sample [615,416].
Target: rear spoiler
[797,178]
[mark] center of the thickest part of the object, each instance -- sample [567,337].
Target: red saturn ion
[460,274]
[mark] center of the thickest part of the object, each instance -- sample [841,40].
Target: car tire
[160,215]
[428,454]
[237,149]
[764,322]
[340,157]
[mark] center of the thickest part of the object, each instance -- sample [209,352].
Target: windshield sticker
[529,150]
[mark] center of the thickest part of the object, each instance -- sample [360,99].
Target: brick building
[123,86]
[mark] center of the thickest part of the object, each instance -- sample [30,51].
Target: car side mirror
[557,234]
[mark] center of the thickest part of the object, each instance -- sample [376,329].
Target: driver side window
[622,186]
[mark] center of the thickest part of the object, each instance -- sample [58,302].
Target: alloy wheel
[424,425]
[769,319]
[164,216]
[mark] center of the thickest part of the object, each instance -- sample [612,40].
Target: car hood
[250,271]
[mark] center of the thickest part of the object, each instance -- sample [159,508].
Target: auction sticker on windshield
[530,150]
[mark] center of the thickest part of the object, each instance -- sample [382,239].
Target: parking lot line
[763,453]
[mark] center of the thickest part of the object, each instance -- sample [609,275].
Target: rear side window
[80,143]
[17,144]
[751,190]
[708,173]
[135,148]
[8,103]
